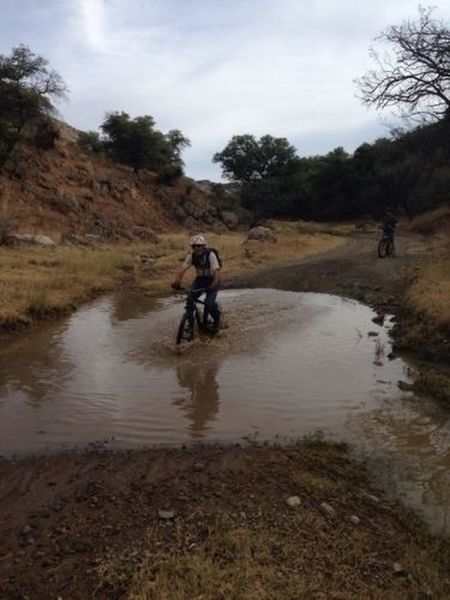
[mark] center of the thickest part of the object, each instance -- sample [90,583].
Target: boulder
[261,234]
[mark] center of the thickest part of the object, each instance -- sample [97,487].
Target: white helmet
[198,240]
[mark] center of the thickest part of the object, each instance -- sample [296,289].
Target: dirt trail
[353,270]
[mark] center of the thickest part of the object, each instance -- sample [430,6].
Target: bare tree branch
[413,76]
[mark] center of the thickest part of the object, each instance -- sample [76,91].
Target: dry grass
[430,293]
[250,545]
[240,256]
[38,280]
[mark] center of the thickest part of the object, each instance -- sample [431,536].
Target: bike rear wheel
[186,329]
[383,248]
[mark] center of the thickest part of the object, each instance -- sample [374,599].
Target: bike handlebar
[182,290]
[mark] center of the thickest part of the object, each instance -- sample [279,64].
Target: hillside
[66,191]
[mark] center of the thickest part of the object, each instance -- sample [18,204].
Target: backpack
[198,262]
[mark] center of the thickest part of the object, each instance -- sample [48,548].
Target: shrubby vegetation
[27,90]
[137,143]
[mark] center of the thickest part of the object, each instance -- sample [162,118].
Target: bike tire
[383,248]
[185,330]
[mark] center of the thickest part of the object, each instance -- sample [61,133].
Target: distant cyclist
[389,225]
[207,265]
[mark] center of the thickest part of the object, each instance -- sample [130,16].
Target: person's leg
[212,307]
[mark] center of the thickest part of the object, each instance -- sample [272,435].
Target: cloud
[213,68]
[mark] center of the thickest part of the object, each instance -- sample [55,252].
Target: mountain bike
[196,318]
[386,246]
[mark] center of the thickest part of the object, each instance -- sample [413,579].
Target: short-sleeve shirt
[206,266]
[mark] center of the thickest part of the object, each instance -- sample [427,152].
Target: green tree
[414,76]
[246,159]
[27,88]
[136,142]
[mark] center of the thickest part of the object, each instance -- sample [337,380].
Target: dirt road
[352,270]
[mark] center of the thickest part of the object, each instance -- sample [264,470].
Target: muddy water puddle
[287,365]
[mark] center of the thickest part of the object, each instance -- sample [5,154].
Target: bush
[169,174]
[90,141]
[7,225]
[46,135]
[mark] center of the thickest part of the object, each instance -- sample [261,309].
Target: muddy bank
[211,521]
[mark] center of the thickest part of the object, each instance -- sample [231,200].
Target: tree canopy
[136,142]
[247,159]
[414,75]
[27,89]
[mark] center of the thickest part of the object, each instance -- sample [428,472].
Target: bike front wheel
[185,330]
[383,248]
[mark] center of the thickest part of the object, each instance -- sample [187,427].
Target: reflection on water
[288,364]
[201,401]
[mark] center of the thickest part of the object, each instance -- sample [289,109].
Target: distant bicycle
[386,246]
[196,318]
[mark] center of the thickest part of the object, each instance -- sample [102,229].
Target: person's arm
[181,271]
[215,268]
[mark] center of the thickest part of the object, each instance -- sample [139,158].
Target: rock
[199,466]
[69,237]
[293,501]
[423,421]
[372,334]
[328,510]
[398,569]
[378,363]
[166,515]
[373,498]
[65,203]
[26,530]
[92,238]
[30,238]
[405,387]
[261,234]
[230,219]
[355,520]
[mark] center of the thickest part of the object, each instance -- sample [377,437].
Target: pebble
[398,569]
[293,501]
[328,510]
[373,498]
[199,466]
[355,520]
[26,530]
[166,514]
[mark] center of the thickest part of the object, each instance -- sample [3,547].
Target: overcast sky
[215,68]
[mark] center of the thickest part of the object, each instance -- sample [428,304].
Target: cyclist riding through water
[207,266]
